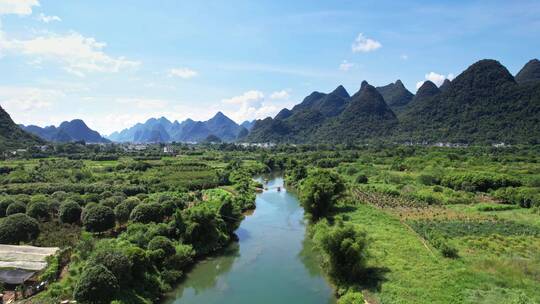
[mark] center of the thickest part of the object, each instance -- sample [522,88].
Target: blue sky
[115,63]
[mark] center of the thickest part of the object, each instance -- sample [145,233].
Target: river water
[272,263]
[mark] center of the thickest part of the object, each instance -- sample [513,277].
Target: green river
[272,262]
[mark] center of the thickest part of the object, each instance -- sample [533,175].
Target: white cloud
[404,57]
[43,18]
[77,54]
[17,7]
[184,73]
[251,104]
[280,95]
[436,78]
[346,66]
[248,97]
[364,44]
[144,103]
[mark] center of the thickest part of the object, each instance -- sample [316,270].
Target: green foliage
[115,261]
[521,196]
[162,243]
[146,213]
[319,191]
[351,297]
[18,228]
[97,285]
[70,212]
[98,218]
[231,215]
[4,204]
[205,229]
[16,207]
[38,210]
[479,181]
[344,248]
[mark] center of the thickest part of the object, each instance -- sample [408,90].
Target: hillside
[367,115]
[162,130]
[68,131]
[484,104]
[396,95]
[12,136]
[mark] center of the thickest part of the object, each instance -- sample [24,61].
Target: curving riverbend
[272,262]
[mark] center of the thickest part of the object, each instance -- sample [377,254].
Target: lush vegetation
[392,224]
[128,228]
[484,104]
[426,225]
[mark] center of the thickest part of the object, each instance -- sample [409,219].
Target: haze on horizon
[113,64]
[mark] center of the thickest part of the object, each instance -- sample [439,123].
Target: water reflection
[273,261]
[206,273]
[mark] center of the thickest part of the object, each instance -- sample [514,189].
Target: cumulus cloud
[249,97]
[345,66]
[77,54]
[436,78]
[252,105]
[17,7]
[46,19]
[363,44]
[280,95]
[184,73]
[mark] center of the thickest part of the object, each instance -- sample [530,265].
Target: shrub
[18,228]
[351,297]
[97,285]
[319,191]
[38,210]
[116,262]
[16,207]
[479,181]
[4,204]
[361,179]
[70,212]
[146,213]
[161,242]
[98,219]
[344,249]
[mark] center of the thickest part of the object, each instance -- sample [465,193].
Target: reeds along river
[272,263]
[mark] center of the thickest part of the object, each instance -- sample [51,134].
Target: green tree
[4,204]
[116,262]
[97,285]
[205,229]
[124,209]
[344,249]
[319,191]
[18,228]
[351,297]
[70,212]
[146,213]
[16,207]
[98,219]
[38,210]
[231,215]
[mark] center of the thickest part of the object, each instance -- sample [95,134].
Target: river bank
[272,262]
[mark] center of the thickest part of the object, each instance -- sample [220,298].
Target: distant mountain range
[68,131]
[162,130]
[12,136]
[484,104]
